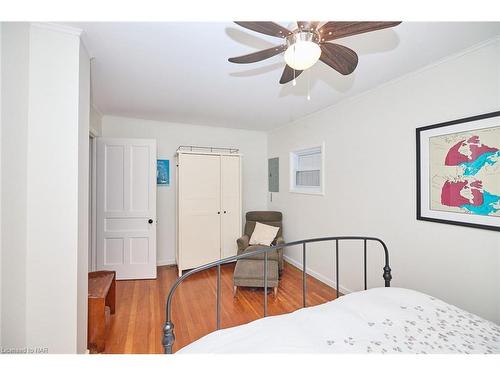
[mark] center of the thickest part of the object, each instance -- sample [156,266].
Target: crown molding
[97,109]
[67,30]
[58,27]
[86,44]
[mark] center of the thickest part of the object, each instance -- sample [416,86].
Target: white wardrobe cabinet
[208,207]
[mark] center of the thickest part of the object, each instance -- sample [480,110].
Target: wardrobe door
[231,204]
[199,209]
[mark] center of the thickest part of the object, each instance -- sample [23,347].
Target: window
[306,170]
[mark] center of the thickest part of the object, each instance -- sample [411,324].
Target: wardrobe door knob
[225,212]
[218,212]
[150,221]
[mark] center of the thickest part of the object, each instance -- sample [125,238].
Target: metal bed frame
[168,329]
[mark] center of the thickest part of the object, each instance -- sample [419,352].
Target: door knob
[225,212]
[150,221]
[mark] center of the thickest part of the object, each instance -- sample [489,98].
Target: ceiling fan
[308,43]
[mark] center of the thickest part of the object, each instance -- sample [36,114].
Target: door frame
[93,201]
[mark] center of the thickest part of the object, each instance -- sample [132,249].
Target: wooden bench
[102,294]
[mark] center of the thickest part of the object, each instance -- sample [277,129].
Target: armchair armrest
[242,243]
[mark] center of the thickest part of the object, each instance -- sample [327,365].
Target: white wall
[54,154]
[15,65]
[370,184]
[169,136]
[84,112]
[44,147]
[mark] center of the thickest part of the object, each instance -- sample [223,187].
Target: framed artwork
[458,172]
[163,172]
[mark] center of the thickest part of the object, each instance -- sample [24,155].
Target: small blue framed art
[163,172]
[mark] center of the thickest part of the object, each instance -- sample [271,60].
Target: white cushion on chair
[263,234]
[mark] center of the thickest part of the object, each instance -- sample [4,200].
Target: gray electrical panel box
[274,175]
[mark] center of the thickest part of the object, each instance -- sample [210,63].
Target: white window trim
[303,189]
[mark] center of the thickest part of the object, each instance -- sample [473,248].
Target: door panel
[199,217]
[139,250]
[139,182]
[114,251]
[126,201]
[114,161]
[231,213]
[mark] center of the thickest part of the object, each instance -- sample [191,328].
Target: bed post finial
[387,275]
[168,337]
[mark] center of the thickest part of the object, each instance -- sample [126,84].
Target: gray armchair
[273,218]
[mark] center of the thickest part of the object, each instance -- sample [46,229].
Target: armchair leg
[235,289]
[275,291]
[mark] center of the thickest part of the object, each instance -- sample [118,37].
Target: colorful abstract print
[466,191]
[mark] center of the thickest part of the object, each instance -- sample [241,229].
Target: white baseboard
[167,262]
[318,276]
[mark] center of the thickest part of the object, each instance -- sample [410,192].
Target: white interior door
[231,201]
[126,207]
[199,209]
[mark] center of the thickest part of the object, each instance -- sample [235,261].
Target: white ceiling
[179,72]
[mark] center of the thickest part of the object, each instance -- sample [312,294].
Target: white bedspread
[381,320]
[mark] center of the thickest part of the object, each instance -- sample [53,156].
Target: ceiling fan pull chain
[294,82]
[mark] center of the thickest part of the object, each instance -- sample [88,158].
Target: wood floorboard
[136,327]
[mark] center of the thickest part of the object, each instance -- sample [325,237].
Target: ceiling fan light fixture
[308,43]
[303,51]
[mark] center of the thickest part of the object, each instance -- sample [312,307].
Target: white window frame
[313,190]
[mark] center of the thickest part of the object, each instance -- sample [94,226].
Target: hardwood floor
[136,327]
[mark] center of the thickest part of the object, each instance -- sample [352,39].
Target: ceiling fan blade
[308,25]
[335,30]
[265,27]
[258,56]
[288,74]
[344,60]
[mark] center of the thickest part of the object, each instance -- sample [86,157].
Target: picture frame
[458,172]
[163,172]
